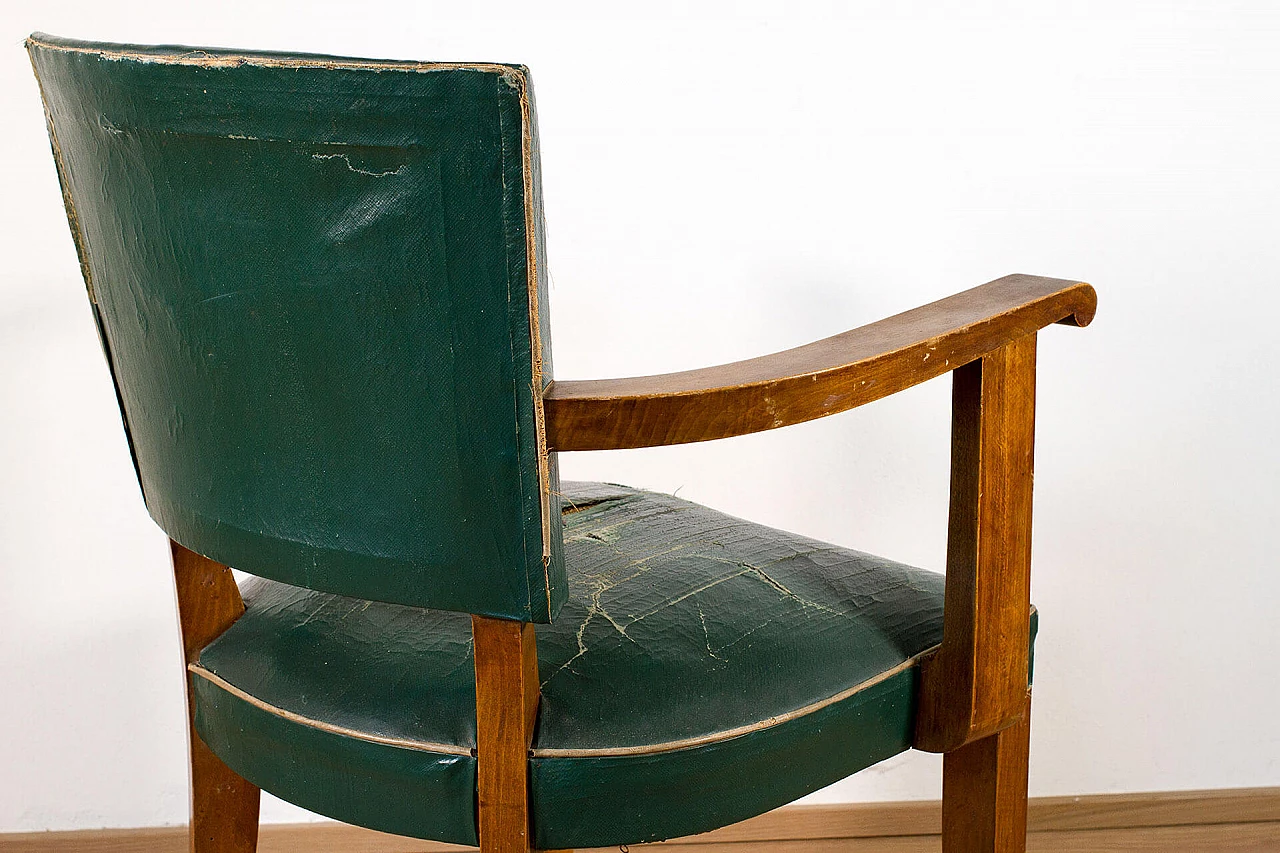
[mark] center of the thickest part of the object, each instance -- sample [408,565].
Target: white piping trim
[598,752]
[405,743]
[738,731]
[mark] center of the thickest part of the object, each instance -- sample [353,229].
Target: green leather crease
[695,652]
[312,279]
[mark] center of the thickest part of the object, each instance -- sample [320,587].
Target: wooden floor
[1242,820]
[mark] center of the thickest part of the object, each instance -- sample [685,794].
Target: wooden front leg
[984,792]
[224,806]
[506,708]
[976,683]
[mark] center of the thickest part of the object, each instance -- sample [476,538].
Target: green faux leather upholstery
[317,284]
[696,653]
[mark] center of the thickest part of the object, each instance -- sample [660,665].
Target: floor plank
[1188,821]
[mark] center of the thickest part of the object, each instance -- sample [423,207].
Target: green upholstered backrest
[319,289]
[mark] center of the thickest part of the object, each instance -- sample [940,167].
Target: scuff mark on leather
[399,170]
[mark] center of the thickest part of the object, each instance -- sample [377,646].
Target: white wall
[724,184]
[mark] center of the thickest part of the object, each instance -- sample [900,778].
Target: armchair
[319,285]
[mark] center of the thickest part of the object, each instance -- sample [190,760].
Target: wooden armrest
[811,381]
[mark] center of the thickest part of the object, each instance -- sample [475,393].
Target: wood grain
[976,683]
[1166,808]
[1044,814]
[1220,838]
[812,381]
[224,806]
[506,709]
[984,792]
[1230,819]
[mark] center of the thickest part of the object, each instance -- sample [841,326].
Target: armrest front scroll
[818,379]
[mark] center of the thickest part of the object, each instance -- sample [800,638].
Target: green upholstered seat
[696,651]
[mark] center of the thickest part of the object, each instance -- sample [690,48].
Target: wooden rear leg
[984,792]
[506,710]
[224,807]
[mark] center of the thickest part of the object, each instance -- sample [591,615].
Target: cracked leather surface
[682,624]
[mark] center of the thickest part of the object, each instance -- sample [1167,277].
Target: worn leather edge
[215,57]
[519,216]
[538,385]
[82,255]
[535,320]
[73,219]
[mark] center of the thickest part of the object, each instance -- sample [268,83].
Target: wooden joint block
[976,683]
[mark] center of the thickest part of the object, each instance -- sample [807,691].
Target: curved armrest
[811,381]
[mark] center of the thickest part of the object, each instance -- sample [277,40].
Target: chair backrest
[319,287]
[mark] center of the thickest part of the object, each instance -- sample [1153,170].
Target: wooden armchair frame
[974,701]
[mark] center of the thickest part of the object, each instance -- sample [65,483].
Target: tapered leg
[224,807]
[984,792]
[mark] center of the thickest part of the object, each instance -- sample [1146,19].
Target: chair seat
[704,670]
